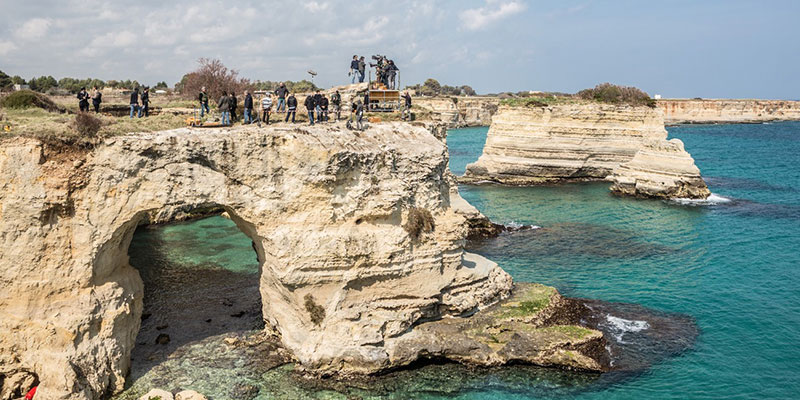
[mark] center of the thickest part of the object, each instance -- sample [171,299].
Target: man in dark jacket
[83,100]
[324,106]
[291,103]
[203,99]
[145,108]
[281,92]
[391,73]
[233,105]
[318,105]
[310,106]
[224,108]
[353,70]
[97,98]
[134,101]
[248,107]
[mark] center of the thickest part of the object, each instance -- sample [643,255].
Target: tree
[468,90]
[431,87]
[161,85]
[43,83]
[215,77]
[5,80]
[17,80]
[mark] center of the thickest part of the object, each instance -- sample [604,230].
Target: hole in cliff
[201,296]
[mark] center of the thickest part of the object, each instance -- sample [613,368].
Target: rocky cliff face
[354,232]
[728,111]
[459,112]
[586,141]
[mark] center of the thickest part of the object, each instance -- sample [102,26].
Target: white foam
[620,326]
[517,225]
[713,199]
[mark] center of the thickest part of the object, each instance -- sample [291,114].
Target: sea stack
[584,141]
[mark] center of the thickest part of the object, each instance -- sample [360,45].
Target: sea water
[728,267]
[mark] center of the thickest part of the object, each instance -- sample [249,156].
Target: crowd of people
[318,106]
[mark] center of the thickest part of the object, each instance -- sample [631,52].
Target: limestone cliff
[707,111]
[343,270]
[459,112]
[580,142]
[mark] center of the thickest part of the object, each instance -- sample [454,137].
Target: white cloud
[313,6]
[115,39]
[481,17]
[6,47]
[33,29]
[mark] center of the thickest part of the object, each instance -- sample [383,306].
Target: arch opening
[201,298]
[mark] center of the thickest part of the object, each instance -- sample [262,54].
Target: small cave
[201,286]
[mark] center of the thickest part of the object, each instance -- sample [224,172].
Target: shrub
[29,99]
[419,221]
[315,311]
[87,124]
[615,94]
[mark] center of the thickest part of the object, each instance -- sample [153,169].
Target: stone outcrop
[459,112]
[661,169]
[571,142]
[586,142]
[710,111]
[343,272]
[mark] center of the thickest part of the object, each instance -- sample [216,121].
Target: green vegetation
[536,101]
[29,99]
[419,221]
[615,94]
[572,331]
[529,303]
[432,87]
[5,80]
[87,124]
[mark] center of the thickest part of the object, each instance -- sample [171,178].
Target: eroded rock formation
[459,112]
[662,169]
[585,142]
[344,273]
[708,111]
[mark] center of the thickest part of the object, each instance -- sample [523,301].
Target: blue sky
[676,48]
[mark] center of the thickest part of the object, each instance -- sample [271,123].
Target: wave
[712,200]
[515,226]
[618,327]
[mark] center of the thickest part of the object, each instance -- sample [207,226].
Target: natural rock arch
[325,207]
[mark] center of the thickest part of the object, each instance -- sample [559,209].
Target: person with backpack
[224,108]
[134,101]
[336,101]
[203,98]
[97,98]
[83,100]
[281,92]
[311,105]
[291,103]
[248,107]
[145,108]
[266,107]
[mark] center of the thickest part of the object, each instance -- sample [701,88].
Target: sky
[676,48]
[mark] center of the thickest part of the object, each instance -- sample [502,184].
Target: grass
[538,101]
[38,123]
[529,303]
[572,331]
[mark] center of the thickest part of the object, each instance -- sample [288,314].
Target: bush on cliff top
[615,94]
[29,99]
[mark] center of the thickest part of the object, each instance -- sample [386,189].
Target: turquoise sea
[729,267]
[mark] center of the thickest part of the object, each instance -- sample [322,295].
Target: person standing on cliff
[318,105]
[233,105]
[362,68]
[224,108]
[310,106]
[203,98]
[97,98]
[336,101]
[281,92]
[266,107]
[291,104]
[145,108]
[134,101]
[407,106]
[248,107]
[83,100]
[353,70]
